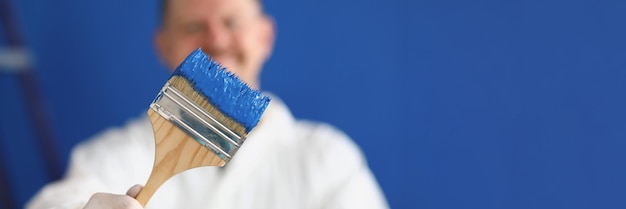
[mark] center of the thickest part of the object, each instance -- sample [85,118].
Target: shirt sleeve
[340,174]
[359,190]
[110,162]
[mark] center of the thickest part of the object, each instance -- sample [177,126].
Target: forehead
[192,8]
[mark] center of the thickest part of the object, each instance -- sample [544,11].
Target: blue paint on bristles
[225,91]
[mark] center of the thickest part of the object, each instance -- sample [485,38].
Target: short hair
[164,5]
[162,11]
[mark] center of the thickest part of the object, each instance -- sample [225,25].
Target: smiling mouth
[226,62]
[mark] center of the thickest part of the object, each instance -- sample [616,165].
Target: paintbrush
[200,117]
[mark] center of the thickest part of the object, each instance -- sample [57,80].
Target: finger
[107,201]
[134,190]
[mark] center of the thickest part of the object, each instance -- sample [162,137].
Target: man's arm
[108,163]
[359,190]
[340,175]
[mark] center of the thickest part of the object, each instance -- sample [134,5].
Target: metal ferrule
[196,122]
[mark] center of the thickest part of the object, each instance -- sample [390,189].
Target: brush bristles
[185,87]
[223,90]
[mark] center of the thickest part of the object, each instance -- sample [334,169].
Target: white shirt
[284,163]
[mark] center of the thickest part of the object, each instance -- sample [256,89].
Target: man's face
[235,33]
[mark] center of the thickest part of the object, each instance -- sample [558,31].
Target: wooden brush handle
[175,152]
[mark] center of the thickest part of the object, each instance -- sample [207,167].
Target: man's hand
[115,201]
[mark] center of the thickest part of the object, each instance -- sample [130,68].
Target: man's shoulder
[329,158]
[315,131]
[327,143]
[136,132]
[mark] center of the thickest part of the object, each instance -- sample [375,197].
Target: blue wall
[456,104]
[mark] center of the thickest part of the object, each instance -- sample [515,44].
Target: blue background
[456,104]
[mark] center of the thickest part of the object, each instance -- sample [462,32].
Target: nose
[215,40]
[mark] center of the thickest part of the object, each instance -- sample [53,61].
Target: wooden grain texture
[175,152]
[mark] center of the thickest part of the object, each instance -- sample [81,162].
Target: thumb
[134,190]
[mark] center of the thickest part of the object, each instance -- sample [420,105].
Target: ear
[268,35]
[160,43]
